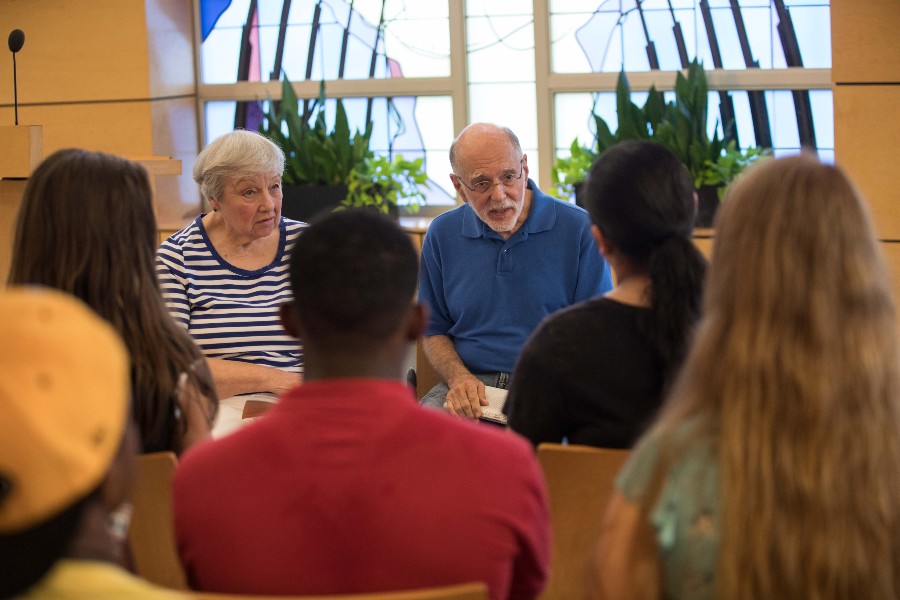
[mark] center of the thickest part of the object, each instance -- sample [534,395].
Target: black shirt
[588,375]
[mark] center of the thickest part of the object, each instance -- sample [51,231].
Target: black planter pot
[305,201]
[707,205]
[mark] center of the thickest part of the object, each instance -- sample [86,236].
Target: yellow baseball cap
[64,398]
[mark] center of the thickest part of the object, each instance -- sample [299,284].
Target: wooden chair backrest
[426,376]
[151,538]
[580,482]
[465,591]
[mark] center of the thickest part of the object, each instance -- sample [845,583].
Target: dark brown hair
[642,198]
[86,227]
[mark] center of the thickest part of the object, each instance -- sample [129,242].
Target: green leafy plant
[314,155]
[679,125]
[729,165]
[570,171]
[384,181]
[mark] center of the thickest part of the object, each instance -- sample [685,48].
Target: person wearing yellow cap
[67,451]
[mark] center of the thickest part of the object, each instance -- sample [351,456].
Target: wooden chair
[151,538]
[426,376]
[465,591]
[580,481]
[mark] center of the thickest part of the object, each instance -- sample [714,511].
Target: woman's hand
[233,377]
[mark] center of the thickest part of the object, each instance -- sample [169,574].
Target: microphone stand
[15,90]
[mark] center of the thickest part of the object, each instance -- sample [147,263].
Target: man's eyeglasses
[484,186]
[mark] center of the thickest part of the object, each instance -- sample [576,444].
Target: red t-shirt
[348,486]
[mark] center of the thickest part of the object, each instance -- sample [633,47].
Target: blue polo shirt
[488,294]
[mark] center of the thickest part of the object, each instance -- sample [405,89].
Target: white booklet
[493,412]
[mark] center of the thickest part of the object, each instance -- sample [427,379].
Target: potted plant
[382,182]
[326,169]
[679,125]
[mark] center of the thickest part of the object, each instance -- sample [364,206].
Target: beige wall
[866,75]
[109,75]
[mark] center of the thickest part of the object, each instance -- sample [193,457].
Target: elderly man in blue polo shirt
[494,267]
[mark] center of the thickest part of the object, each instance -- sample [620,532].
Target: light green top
[685,515]
[81,579]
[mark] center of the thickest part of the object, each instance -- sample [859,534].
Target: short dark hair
[353,275]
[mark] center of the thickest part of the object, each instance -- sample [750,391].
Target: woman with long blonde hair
[774,470]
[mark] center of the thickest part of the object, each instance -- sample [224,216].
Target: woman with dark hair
[774,468]
[595,373]
[86,227]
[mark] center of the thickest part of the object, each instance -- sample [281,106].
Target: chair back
[580,482]
[465,591]
[426,376]
[151,537]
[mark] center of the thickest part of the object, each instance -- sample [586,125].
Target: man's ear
[288,314]
[458,187]
[603,244]
[417,321]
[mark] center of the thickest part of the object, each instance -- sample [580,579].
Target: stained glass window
[404,50]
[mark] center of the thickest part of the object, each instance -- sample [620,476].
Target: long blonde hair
[793,377]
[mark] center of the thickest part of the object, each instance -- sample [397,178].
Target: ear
[603,244]
[525,166]
[417,321]
[288,314]
[458,187]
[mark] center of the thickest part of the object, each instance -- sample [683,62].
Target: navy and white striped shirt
[230,313]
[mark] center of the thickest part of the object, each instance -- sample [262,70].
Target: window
[771,61]
[425,69]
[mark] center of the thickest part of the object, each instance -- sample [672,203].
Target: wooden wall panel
[119,128]
[110,75]
[175,126]
[76,50]
[865,40]
[866,72]
[866,131]
[892,255]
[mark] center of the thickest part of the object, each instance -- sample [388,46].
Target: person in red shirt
[347,485]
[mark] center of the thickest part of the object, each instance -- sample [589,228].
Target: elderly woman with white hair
[225,275]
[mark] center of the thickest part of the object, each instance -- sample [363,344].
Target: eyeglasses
[507,179]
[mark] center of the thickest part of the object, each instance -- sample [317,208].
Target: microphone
[16,41]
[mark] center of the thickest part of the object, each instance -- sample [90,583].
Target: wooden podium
[21,150]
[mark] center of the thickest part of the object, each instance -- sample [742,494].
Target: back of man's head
[353,275]
[64,404]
